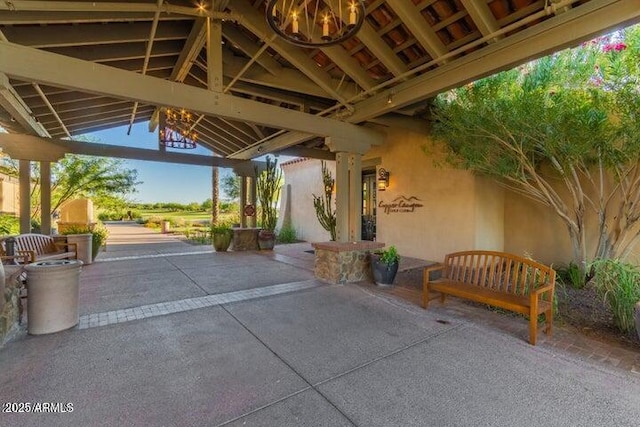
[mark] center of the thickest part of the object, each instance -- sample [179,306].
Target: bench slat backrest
[497,271]
[39,243]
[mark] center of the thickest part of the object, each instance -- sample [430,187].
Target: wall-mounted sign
[402,204]
[249,210]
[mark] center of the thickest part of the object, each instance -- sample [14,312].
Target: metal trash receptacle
[52,300]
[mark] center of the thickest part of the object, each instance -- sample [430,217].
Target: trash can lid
[59,264]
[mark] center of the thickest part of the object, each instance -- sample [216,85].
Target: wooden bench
[498,279]
[39,247]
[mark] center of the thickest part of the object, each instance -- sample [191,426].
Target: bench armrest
[542,290]
[28,256]
[24,258]
[427,270]
[66,246]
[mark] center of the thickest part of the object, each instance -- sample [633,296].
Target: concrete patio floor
[172,334]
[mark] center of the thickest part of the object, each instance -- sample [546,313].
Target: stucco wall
[305,177]
[536,229]
[9,195]
[460,211]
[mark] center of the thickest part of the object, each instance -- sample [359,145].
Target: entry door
[369,206]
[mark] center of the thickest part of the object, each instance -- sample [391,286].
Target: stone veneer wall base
[10,305]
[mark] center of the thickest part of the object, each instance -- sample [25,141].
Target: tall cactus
[268,185]
[324,207]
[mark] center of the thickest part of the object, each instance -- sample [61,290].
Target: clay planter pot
[266,239]
[221,241]
[637,313]
[383,274]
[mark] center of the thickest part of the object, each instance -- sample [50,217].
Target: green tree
[563,131]
[207,205]
[231,186]
[75,176]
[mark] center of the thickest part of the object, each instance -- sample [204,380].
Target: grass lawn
[186,215]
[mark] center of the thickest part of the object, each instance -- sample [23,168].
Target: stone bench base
[343,262]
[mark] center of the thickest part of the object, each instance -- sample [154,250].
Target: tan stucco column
[342,197]
[355,197]
[348,187]
[25,196]
[45,197]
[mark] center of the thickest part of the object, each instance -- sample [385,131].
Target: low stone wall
[10,304]
[343,262]
[245,239]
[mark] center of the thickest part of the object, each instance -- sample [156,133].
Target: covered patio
[175,334]
[172,334]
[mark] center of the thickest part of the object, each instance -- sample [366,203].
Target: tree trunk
[215,195]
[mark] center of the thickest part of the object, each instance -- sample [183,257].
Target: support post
[214,83]
[45,198]
[355,197]
[25,196]
[342,197]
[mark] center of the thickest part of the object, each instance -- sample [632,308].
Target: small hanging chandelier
[176,129]
[315,23]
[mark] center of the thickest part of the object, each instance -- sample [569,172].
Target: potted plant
[78,234]
[221,235]
[384,266]
[99,235]
[268,186]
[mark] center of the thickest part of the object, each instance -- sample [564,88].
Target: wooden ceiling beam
[18,109]
[254,21]
[92,34]
[410,15]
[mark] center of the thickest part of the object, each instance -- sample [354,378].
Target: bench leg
[443,297]
[533,329]
[425,296]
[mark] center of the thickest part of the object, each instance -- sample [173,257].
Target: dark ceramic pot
[383,274]
[266,239]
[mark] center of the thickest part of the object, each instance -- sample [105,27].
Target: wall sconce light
[383,179]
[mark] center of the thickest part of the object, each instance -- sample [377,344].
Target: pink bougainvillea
[617,47]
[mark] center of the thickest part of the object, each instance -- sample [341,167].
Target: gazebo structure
[72,67]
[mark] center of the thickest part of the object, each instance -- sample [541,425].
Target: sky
[162,182]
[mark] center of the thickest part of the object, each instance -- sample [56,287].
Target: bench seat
[516,303]
[499,279]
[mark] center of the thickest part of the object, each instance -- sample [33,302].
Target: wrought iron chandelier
[315,23]
[176,129]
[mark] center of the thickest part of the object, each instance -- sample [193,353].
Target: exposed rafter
[44,67]
[255,22]
[482,16]
[424,34]
[18,109]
